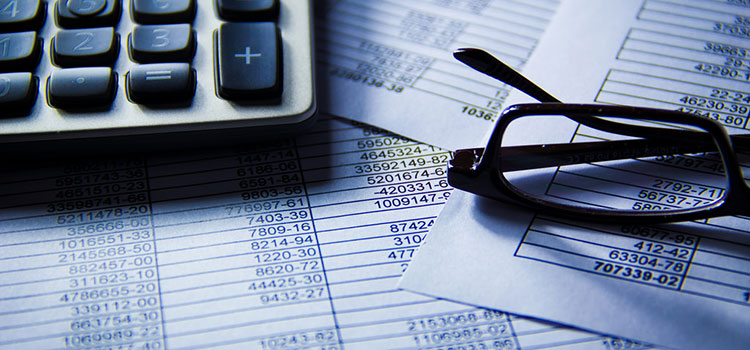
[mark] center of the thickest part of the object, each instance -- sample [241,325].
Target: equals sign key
[159,75]
[161,83]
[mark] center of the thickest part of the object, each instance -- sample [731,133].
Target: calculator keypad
[87,38]
[100,68]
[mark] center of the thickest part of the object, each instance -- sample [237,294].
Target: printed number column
[238,255]
[283,243]
[109,254]
[79,259]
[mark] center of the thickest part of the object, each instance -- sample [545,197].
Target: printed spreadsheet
[290,245]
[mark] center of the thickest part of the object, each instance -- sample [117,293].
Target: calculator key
[85,7]
[248,10]
[22,15]
[17,92]
[87,13]
[19,51]
[81,88]
[160,83]
[248,62]
[162,11]
[85,47]
[162,43]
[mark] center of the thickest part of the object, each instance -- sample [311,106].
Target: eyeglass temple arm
[484,62]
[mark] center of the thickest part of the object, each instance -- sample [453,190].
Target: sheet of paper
[289,245]
[389,63]
[683,285]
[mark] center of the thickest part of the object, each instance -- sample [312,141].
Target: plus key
[249,62]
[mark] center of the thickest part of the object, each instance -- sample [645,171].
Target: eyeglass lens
[610,171]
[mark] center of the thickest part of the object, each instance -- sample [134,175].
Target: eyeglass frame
[487,64]
[480,171]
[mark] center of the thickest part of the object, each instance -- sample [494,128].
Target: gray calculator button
[162,43]
[248,62]
[85,47]
[22,15]
[161,83]
[19,51]
[85,7]
[81,88]
[163,11]
[248,10]
[17,92]
[87,13]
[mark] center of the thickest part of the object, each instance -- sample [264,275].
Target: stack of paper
[692,290]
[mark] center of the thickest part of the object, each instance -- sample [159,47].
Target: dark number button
[87,13]
[22,15]
[163,11]
[81,88]
[19,51]
[86,7]
[162,43]
[248,62]
[17,92]
[161,83]
[248,10]
[85,47]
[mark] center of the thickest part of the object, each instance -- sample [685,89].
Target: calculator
[100,76]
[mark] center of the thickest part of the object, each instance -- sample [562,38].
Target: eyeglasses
[622,164]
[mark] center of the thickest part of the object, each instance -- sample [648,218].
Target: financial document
[297,244]
[389,63]
[683,285]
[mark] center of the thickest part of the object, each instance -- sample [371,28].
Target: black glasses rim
[488,163]
[467,169]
